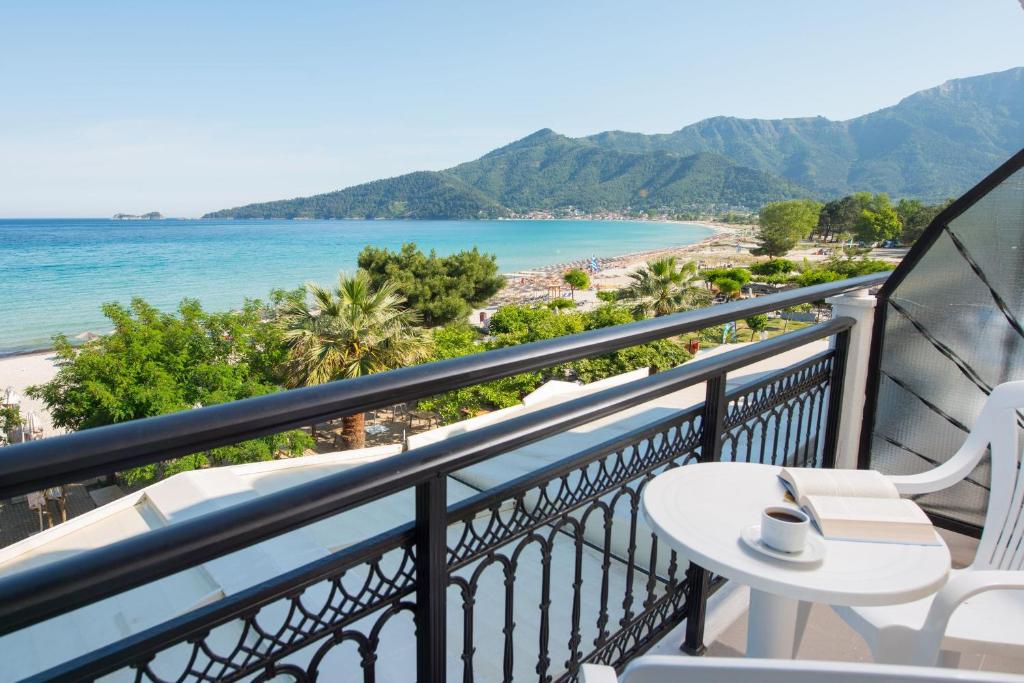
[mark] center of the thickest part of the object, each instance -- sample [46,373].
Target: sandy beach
[728,246]
[24,370]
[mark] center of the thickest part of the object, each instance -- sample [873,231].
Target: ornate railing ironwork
[569,571]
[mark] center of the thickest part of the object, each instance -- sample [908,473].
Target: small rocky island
[151,216]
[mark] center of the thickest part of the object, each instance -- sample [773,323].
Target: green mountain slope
[540,172]
[547,171]
[933,144]
[424,194]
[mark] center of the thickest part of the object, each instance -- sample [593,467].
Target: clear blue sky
[186,107]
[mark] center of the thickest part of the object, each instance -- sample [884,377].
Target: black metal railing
[562,548]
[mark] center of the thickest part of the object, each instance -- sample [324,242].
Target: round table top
[700,510]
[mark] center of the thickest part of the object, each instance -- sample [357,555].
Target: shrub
[779,266]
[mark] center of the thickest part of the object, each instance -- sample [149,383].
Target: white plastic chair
[671,668]
[981,607]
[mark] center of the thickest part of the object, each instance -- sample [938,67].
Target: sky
[188,107]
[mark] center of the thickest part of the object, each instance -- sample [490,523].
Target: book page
[807,481]
[827,508]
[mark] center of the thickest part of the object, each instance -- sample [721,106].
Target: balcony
[511,548]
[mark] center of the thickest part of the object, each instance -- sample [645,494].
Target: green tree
[10,419]
[756,323]
[512,325]
[353,330]
[916,216]
[156,363]
[878,221]
[460,339]
[442,289]
[663,287]
[839,216]
[773,242]
[608,315]
[576,279]
[660,355]
[728,287]
[608,296]
[783,224]
[797,216]
[520,324]
[817,277]
[712,276]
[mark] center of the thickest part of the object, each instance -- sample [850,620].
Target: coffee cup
[784,528]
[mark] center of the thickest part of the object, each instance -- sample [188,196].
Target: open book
[857,505]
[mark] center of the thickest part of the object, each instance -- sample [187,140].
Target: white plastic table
[700,511]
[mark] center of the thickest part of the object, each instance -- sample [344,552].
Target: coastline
[534,285]
[23,368]
[727,245]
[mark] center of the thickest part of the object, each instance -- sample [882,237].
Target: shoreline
[534,285]
[21,368]
[718,230]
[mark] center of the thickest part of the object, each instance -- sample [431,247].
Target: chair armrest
[595,673]
[948,473]
[961,586]
[997,413]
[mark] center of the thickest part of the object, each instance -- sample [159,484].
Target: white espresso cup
[784,528]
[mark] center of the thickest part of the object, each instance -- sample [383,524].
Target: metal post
[835,398]
[713,420]
[696,605]
[712,424]
[431,579]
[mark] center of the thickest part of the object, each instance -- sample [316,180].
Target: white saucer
[814,550]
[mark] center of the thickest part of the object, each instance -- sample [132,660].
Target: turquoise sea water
[55,273]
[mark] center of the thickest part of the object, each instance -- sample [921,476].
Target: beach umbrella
[11,397]
[88,335]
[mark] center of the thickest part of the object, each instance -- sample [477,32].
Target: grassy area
[776,326]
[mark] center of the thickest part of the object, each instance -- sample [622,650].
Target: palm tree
[350,331]
[662,287]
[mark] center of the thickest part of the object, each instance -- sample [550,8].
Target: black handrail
[35,465]
[32,596]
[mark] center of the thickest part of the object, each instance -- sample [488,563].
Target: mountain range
[933,144]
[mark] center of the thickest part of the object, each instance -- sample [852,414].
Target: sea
[56,273]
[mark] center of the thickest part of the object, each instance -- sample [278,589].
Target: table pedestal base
[773,623]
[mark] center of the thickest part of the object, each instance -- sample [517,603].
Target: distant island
[151,216]
[931,145]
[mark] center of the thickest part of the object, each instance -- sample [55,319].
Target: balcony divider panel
[949,327]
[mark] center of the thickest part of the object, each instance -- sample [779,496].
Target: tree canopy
[513,325]
[916,216]
[798,217]
[156,363]
[783,224]
[442,289]
[576,279]
[779,266]
[353,330]
[663,286]
[878,220]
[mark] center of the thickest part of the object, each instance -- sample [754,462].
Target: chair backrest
[1002,539]
[666,669]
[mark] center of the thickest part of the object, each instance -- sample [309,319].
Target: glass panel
[950,336]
